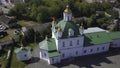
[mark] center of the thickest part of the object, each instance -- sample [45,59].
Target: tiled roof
[48,44]
[53,54]
[96,38]
[114,35]
[65,26]
[20,49]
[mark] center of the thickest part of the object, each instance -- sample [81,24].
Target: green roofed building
[23,53]
[72,40]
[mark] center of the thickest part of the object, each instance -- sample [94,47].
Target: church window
[53,59]
[70,43]
[77,42]
[44,54]
[63,44]
[68,18]
[63,55]
[25,55]
[76,52]
[97,49]
[103,48]
[85,51]
[91,50]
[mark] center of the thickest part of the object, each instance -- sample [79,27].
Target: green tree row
[44,10]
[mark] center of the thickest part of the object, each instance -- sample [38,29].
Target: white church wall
[115,43]
[44,55]
[0,47]
[71,52]
[96,49]
[24,55]
[70,43]
[67,17]
[54,60]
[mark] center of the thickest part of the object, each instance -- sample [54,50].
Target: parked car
[3,27]
[1,36]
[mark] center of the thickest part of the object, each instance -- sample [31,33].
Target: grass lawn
[6,38]
[3,60]
[10,34]
[15,63]
[32,45]
[27,23]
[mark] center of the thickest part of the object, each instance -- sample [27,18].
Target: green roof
[96,38]
[114,35]
[17,50]
[53,54]
[67,26]
[48,44]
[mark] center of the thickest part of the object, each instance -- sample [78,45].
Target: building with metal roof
[70,40]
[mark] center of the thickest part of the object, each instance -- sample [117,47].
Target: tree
[19,10]
[29,36]
[33,13]
[106,5]
[1,12]
[114,14]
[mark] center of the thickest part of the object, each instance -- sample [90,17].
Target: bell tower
[67,14]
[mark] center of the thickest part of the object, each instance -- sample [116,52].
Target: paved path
[37,63]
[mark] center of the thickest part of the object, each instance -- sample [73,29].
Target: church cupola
[71,32]
[59,30]
[81,29]
[67,14]
[53,25]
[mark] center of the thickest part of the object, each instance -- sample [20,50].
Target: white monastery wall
[24,55]
[115,43]
[96,49]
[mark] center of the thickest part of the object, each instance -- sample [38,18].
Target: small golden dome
[53,20]
[22,33]
[67,10]
[22,47]
[82,27]
[59,29]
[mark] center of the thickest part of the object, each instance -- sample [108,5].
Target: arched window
[63,55]
[71,32]
[70,43]
[76,52]
[63,44]
[77,42]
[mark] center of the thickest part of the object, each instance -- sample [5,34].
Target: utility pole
[8,64]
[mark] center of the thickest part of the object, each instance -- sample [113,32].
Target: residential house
[7,21]
[101,1]
[23,53]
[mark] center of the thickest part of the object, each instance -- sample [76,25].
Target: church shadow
[32,60]
[88,61]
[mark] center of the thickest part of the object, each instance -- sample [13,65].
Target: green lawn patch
[6,38]
[27,23]
[15,63]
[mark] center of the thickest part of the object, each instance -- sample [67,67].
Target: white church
[70,40]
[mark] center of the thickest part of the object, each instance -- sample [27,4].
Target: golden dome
[82,27]
[67,10]
[59,29]
[53,20]
[22,33]
[22,47]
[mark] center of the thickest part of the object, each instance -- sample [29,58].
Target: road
[110,59]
